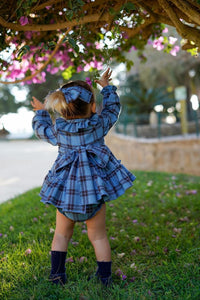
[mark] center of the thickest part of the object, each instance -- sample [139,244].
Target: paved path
[23,165]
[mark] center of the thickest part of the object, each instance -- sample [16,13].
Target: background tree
[83,35]
[7,103]
[139,101]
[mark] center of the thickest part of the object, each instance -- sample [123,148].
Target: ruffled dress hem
[105,198]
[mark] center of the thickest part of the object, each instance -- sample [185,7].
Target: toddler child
[85,174]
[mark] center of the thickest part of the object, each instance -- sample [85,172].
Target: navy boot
[58,275]
[104,272]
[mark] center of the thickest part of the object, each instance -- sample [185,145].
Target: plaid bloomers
[85,173]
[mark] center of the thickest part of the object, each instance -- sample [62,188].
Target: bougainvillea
[47,36]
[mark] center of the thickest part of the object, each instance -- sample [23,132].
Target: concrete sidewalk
[23,166]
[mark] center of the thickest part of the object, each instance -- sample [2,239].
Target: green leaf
[70,4]
[94,84]
[23,50]
[72,42]
[129,6]
[193,51]
[112,11]
[51,44]
[67,74]
[69,14]
[80,2]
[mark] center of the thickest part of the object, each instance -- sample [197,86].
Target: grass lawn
[154,235]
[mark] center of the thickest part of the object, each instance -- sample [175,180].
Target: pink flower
[134,48]
[191,192]
[28,34]
[48,7]
[177,250]
[28,251]
[133,252]
[23,20]
[177,230]
[86,67]
[158,44]
[119,272]
[88,80]
[175,50]
[70,260]
[132,279]
[79,69]
[172,40]
[75,243]
[135,221]
[82,259]
[165,30]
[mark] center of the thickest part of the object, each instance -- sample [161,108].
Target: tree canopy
[50,35]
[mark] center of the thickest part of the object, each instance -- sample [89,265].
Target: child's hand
[105,78]
[37,105]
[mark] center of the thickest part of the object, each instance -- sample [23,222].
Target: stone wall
[175,154]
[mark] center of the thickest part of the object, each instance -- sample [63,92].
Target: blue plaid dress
[85,171]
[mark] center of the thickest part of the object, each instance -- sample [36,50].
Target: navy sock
[58,267]
[104,269]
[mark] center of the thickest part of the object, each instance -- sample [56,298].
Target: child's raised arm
[42,123]
[105,78]
[36,104]
[111,104]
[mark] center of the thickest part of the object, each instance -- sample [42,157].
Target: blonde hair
[56,102]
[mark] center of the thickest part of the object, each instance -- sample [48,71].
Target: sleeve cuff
[108,89]
[42,112]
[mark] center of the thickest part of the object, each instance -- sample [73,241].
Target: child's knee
[67,234]
[95,236]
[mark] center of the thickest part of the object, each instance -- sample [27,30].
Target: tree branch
[58,26]
[187,9]
[43,66]
[185,31]
[43,5]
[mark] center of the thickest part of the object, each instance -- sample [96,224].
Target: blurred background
[158,128]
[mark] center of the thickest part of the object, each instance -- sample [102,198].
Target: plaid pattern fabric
[85,171]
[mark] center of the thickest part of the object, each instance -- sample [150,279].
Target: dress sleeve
[111,107]
[44,128]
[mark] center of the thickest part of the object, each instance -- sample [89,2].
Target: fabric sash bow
[100,155]
[74,92]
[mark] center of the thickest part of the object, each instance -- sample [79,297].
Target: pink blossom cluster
[32,61]
[162,43]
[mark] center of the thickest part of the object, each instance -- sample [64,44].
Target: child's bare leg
[97,235]
[62,236]
[63,232]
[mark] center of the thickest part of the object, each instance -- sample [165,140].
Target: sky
[18,124]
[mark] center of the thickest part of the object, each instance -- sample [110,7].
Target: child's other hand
[105,78]
[37,105]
